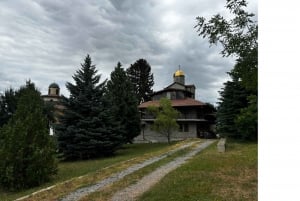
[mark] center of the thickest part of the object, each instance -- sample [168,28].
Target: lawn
[208,176]
[68,170]
[212,176]
[106,193]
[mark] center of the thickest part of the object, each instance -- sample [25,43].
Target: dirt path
[79,193]
[132,192]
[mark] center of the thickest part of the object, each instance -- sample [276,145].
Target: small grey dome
[54,85]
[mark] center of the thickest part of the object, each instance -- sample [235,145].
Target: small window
[169,95]
[184,127]
[180,128]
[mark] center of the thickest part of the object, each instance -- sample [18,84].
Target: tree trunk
[169,135]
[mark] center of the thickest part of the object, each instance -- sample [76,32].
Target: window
[168,95]
[183,127]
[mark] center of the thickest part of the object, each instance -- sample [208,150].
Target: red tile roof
[175,103]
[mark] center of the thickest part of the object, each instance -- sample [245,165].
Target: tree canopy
[238,36]
[142,79]
[9,100]
[27,151]
[8,105]
[86,129]
[124,103]
[165,118]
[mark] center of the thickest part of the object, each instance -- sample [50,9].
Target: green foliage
[70,169]
[27,151]
[124,102]
[165,121]
[246,121]
[87,129]
[8,105]
[233,99]
[238,36]
[142,79]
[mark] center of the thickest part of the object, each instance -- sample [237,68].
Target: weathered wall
[153,136]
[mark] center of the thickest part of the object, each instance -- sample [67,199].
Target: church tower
[179,77]
[53,89]
[53,93]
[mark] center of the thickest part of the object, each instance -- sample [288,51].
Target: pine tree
[141,77]
[27,151]
[122,97]
[233,99]
[86,129]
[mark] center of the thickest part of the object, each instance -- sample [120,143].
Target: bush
[27,151]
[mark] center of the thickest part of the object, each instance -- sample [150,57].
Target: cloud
[47,40]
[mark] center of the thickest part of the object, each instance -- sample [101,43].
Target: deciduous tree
[165,118]
[238,36]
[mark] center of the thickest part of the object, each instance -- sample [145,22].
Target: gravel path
[132,192]
[81,192]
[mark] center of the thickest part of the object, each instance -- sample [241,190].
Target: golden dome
[179,73]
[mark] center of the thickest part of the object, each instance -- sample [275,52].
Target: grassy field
[68,170]
[212,176]
[209,176]
[108,192]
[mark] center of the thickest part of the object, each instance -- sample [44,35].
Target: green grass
[212,176]
[208,176]
[68,170]
[106,193]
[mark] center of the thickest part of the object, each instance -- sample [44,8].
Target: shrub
[27,151]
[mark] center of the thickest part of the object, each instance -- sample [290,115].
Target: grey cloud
[47,40]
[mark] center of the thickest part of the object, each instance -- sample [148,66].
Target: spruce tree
[141,77]
[27,151]
[233,99]
[123,99]
[87,129]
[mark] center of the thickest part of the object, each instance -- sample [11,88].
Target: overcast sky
[47,40]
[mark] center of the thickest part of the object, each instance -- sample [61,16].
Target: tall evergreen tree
[123,99]
[27,151]
[142,79]
[233,99]
[86,129]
